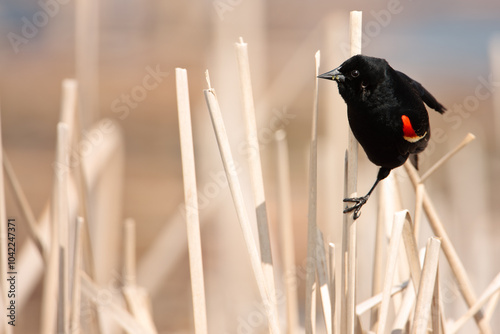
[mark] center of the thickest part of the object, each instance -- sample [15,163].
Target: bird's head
[358,77]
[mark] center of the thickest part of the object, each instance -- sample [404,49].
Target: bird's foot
[360,201]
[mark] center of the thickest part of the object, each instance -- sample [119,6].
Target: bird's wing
[424,94]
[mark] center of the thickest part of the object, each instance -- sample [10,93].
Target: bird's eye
[355,73]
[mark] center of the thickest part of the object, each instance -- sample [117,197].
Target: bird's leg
[360,201]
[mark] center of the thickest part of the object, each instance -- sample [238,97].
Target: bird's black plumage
[386,113]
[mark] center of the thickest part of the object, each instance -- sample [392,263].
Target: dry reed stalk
[490,308]
[456,265]
[391,195]
[139,305]
[69,114]
[310,315]
[426,287]
[106,219]
[332,283]
[377,260]
[403,315]
[67,118]
[63,229]
[191,202]
[385,213]
[345,254]
[107,215]
[444,328]
[29,260]
[404,311]
[87,60]
[20,197]
[3,240]
[390,270]
[419,197]
[63,306]
[314,295]
[411,251]
[111,308]
[285,227]
[468,138]
[394,203]
[136,297]
[83,183]
[85,110]
[75,279]
[51,282]
[255,167]
[359,328]
[348,297]
[376,300]
[243,218]
[492,289]
[334,30]
[402,320]
[83,195]
[323,282]
[71,117]
[404,270]
[436,311]
[129,241]
[105,165]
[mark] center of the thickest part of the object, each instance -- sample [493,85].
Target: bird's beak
[333,75]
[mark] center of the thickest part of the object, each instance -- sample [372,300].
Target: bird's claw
[360,201]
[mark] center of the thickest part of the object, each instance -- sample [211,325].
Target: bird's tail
[414,160]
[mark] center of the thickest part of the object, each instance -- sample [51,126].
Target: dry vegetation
[235,204]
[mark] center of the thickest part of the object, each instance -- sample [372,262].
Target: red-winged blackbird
[386,114]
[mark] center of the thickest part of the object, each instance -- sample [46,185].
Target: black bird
[386,114]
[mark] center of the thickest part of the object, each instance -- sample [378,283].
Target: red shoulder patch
[408,132]
[407,127]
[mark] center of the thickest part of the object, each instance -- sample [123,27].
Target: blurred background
[126,61]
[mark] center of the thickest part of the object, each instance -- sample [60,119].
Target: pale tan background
[444,45]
